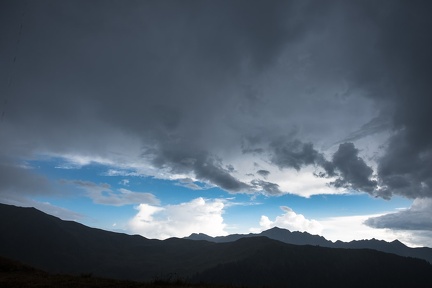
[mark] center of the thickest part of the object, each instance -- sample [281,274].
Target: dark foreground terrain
[65,247]
[15,274]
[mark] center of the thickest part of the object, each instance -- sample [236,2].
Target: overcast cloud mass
[248,96]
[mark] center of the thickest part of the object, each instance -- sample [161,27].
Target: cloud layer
[416,217]
[179,220]
[103,194]
[289,220]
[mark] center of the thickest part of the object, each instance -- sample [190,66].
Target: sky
[166,118]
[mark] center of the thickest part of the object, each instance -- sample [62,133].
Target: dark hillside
[304,238]
[279,265]
[58,246]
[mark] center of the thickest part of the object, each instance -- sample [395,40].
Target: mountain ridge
[56,246]
[304,238]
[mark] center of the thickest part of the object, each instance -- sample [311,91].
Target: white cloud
[199,215]
[124,182]
[291,221]
[344,228]
[303,182]
[118,172]
[103,194]
[348,228]
[77,161]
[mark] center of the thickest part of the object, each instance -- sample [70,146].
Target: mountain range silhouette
[304,238]
[57,246]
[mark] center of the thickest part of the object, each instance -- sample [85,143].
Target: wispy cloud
[103,194]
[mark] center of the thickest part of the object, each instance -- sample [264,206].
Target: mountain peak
[199,236]
[277,229]
[397,243]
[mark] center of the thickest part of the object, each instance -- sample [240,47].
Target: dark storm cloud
[267,187]
[294,154]
[406,220]
[156,70]
[405,43]
[263,173]
[19,183]
[391,63]
[15,179]
[211,171]
[354,173]
[376,125]
[192,79]
[405,170]
[351,171]
[204,166]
